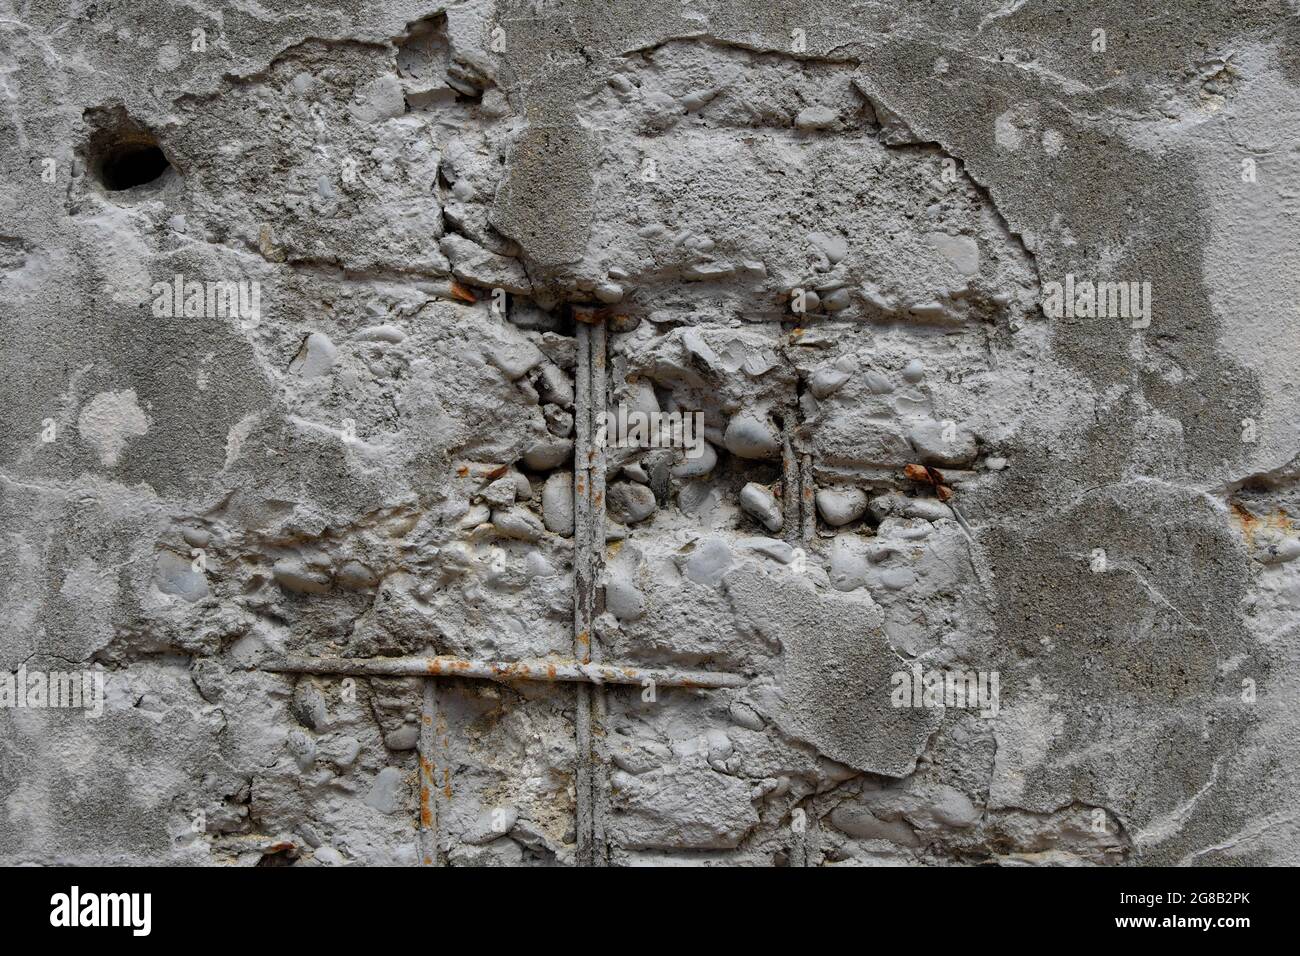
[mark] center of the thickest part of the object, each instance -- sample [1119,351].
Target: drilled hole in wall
[121,153]
[132,164]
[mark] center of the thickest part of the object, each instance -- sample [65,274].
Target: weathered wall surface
[832,229]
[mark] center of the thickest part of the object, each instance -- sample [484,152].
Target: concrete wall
[839,232]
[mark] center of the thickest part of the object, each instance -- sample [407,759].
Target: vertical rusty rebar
[807,498]
[588,560]
[791,524]
[429,845]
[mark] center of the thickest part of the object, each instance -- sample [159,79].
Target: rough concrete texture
[830,228]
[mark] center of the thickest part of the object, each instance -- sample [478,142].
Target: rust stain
[460,292]
[463,471]
[550,671]
[1251,523]
[1248,522]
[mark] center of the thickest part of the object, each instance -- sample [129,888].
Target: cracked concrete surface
[828,228]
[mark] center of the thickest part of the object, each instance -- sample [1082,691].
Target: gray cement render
[380,466]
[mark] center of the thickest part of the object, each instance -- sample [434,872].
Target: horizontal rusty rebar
[540,669]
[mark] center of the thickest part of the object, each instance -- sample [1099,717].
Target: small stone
[176,575]
[308,705]
[837,301]
[558,421]
[557,503]
[839,506]
[554,386]
[890,503]
[914,371]
[302,748]
[609,292]
[815,118]
[475,516]
[471,263]
[878,384]
[702,464]
[384,795]
[630,502]
[328,856]
[196,537]
[316,357]
[827,381]
[710,560]
[1272,546]
[518,523]
[928,509]
[748,437]
[403,738]
[550,452]
[293,575]
[697,99]
[623,599]
[718,748]
[523,487]
[500,493]
[771,548]
[356,576]
[758,501]
[515,359]
[928,310]
[745,716]
[382,333]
